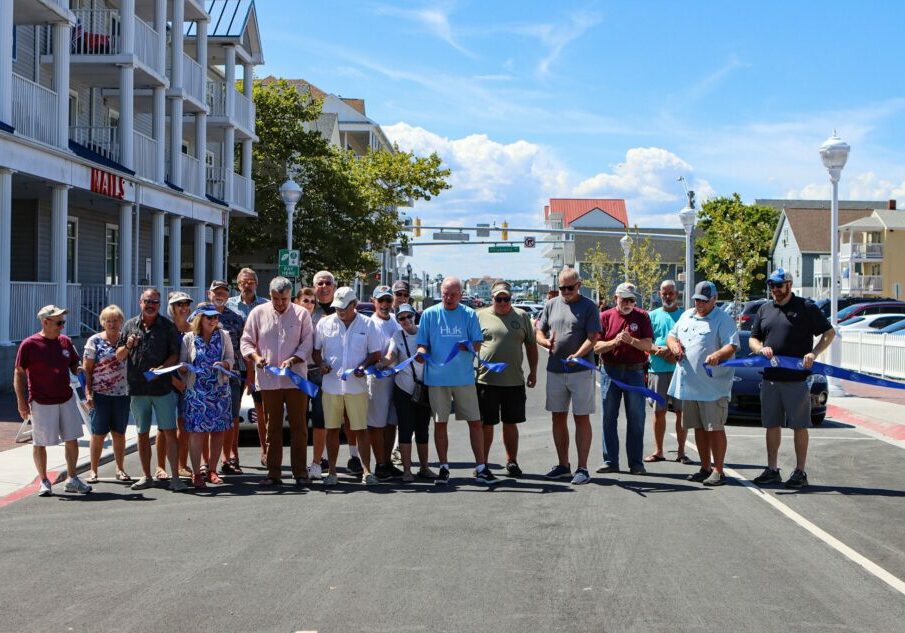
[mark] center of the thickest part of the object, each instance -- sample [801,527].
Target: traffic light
[505,234]
[417,227]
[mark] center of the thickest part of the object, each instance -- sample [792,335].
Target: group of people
[382,379]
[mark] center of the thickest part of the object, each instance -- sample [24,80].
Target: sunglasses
[324,283]
[307,300]
[59,323]
[182,304]
[401,294]
[568,288]
[211,317]
[626,300]
[385,300]
[151,302]
[403,318]
[503,299]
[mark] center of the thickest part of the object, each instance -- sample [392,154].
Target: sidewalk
[876,410]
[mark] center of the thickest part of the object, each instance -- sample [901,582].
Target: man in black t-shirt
[787,326]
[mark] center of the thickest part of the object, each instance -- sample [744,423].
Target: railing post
[200,278]
[58,259]
[157,224]
[217,253]
[126,236]
[6,69]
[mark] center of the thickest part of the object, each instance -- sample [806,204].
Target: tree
[347,213]
[734,244]
[602,273]
[644,269]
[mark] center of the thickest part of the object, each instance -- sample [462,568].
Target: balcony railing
[100,139]
[96,32]
[245,111]
[861,251]
[215,182]
[35,110]
[192,78]
[145,156]
[24,300]
[862,283]
[216,98]
[242,192]
[146,45]
[191,178]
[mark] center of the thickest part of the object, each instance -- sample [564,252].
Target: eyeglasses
[502,299]
[401,294]
[307,300]
[568,288]
[404,318]
[773,286]
[211,317]
[59,323]
[182,304]
[324,283]
[385,300]
[151,302]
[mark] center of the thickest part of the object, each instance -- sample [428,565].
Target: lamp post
[834,154]
[400,260]
[626,243]
[408,273]
[688,217]
[290,193]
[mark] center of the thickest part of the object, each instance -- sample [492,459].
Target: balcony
[243,193]
[191,177]
[35,110]
[145,149]
[215,182]
[243,113]
[193,79]
[862,284]
[861,251]
[100,139]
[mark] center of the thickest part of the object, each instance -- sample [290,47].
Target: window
[111,255]
[73,108]
[72,252]
[15,42]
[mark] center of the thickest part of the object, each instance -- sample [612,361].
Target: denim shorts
[163,407]
[236,388]
[110,414]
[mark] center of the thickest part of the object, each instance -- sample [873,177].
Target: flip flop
[123,476]
[654,458]
[92,478]
[161,475]
[684,459]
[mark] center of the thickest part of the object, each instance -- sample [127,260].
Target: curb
[888,430]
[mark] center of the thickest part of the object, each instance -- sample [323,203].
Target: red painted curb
[887,429]
[28,490]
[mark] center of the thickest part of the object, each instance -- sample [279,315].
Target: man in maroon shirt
[43,363]
[625,339]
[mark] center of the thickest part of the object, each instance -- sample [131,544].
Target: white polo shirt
[345,348]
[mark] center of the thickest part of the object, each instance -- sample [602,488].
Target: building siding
[23,254]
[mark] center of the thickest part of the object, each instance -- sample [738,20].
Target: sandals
[214,478]
[122,475]
[268,482]
[198,482]
[92,477]
[684,459]
[160,474]
[653,457]
[185,472]
[234,464]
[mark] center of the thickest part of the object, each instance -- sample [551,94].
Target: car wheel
[817,420]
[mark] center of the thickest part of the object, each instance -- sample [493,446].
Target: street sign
[289,263]
[530,242]
[483,230]
[453,236]
[503,249]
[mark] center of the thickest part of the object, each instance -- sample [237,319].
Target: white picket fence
[879,354]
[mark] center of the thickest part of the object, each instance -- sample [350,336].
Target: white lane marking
[811,435]
[893,581]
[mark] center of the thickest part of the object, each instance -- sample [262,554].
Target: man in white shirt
[382,419]
[345,344]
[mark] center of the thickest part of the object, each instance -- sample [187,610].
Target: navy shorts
[236,387]
[110,414]
[501,403]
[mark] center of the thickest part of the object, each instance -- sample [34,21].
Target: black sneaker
[699,476]
[325,464]
[485,477]
[638,470]
[382,472]
[608,468]
[799,479]
[394,472]
[354,465]
[769,476]
[559,472]
[513,470]
[443,477]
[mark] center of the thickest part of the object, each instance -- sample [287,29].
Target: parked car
[744,402]
[844,302]
[870,322]
[871,307]
[745,318]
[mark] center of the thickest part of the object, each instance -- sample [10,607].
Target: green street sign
[289,263]
[503,249]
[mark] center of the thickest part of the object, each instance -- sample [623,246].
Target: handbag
[420,394]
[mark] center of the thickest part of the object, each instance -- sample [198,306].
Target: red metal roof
[573,208]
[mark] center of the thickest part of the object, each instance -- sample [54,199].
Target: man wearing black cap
[787,326]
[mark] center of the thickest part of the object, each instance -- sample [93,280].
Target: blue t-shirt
[702,336]
[440,329]
[662,322]
[241,308]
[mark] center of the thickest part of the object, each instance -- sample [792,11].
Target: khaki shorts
[465,397]
[354,405]
[709,415]
[575,387]
[659,382]
[53,423]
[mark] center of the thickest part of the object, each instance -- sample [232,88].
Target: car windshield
[898,326]
[843,314]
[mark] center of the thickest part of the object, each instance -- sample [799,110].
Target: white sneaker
[77,485]
[142,483]
[330,480]
[314,471]
[581,477]
[45,489]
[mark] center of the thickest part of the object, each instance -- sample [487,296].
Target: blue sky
[531,100]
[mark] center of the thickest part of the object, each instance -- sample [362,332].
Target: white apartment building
[119,129]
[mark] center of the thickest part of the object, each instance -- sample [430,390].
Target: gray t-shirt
[572,323]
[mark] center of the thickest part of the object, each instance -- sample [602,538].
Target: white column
[230,72]
[176,141]
[200,278]
[200,149]
[201,46]
[176,87]
[125,256]
[246,168]
[58,217]
[175,251]
[158,126]
[61,39]
[6,240]
[160,25]
[248,79]
[229,162]
[127,85]
[177,36]
[157,234]
[6,85]
[217,253]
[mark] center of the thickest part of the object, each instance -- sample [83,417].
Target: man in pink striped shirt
[279,333]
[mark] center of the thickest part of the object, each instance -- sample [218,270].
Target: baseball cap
[178,296]
[401,286]
[216,284]
[405,308]
[779,276]
[704,291]
[343,297]
[625,290]
[500,287]
[206,308]
[48,312]
[382,291]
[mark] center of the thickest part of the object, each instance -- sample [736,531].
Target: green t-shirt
[662,322]
[504,341]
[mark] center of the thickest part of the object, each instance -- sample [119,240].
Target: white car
[870,322]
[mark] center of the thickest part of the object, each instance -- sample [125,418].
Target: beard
[669,305]
[625,311]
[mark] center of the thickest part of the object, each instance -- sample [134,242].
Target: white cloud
[434,19]
[863,186]
[555,37]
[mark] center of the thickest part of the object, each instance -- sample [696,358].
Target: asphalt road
[624,553]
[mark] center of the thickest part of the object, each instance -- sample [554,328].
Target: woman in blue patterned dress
[208,405]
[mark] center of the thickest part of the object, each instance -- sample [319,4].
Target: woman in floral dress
[208,405]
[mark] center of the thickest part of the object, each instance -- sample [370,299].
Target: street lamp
[408,273]
[834,154]
[290,193]
[626,243]
[688,217]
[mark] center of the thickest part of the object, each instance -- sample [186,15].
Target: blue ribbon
[458,347]
[304,385]
[157,373]
[644,391]
[789,362]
